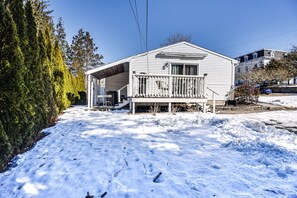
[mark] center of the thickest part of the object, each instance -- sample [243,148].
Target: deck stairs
[121,105]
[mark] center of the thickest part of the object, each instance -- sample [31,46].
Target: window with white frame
[255,55]
[246,58]
[272,53]
[184,69]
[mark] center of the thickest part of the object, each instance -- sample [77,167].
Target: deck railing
[168,86]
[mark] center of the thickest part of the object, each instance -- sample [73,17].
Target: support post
[130,104]
[89,91]
[95,92]
[169,107]
[119,96]
[213,103]
[92,93]
[133,108]
[204,107]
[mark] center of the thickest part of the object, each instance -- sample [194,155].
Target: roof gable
[183,43]
[161,49]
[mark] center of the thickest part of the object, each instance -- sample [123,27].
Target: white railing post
[134,88]
[170,88]
[204,85]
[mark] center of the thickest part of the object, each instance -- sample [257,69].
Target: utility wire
[146,38]
[146,25]
[263,38]
[136,10]
[137,19]
[141,39]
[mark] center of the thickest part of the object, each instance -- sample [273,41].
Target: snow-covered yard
[183,155]
[287,101]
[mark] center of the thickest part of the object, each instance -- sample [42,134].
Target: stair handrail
[213,99]
[212,91]
[119,92]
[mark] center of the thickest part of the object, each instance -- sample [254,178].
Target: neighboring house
[178,73]
[256,59]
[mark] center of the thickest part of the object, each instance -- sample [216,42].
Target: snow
[287,101]
[193,155]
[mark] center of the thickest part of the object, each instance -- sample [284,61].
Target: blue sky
[230,27]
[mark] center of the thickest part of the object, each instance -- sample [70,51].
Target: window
[191,70]
[272,53]
[183,69]
[246,58]
[255,55]
[177,69]
[238,70]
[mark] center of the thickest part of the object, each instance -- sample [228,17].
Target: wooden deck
[148,88]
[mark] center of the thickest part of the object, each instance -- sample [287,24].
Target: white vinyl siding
[219,69]
[114,83]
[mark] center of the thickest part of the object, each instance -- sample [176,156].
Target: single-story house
[174,74]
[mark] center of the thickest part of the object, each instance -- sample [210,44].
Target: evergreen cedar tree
[39,78]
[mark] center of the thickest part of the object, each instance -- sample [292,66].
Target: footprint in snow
[150,168]
[194,186]
[215,167]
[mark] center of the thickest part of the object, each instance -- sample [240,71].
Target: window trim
[184,67]
[255,55]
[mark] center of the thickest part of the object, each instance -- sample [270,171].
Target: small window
[246,68]
[272,53]
[255,55]
[177,69]
[191,70]
[246,58]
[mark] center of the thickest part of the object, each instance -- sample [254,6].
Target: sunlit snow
[194,154]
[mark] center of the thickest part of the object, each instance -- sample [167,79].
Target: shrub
[246,93]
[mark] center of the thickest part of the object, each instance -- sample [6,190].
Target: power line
[146,25]
[141,39]
[146,38]
[137,18]
[136,10]
[263,38]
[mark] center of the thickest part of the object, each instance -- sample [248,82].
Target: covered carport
[111,70]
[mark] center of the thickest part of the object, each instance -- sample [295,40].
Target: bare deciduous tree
[177,37]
